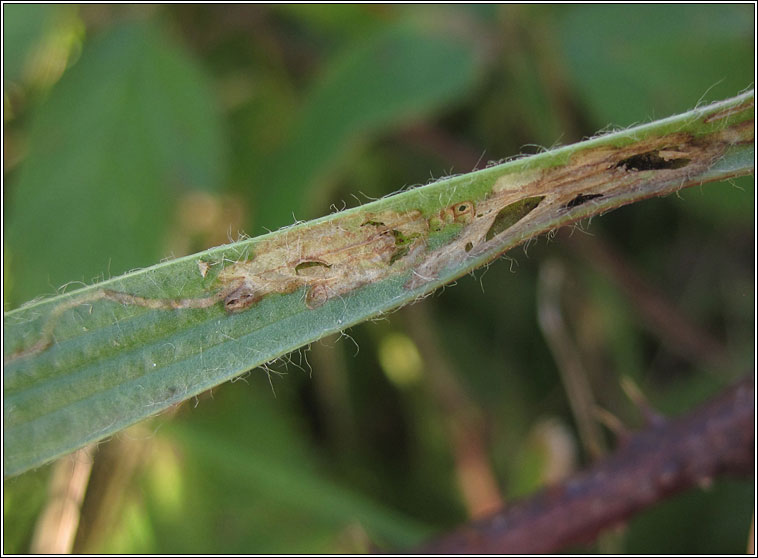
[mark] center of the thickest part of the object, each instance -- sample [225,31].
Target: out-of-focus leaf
[23,499]
[127,128]
[299,487]
[244,477]
[628,60]
[344,19]
[23,27]
[723,508]
[728,204]
[397,75]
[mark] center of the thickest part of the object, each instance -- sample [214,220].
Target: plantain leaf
[83,365]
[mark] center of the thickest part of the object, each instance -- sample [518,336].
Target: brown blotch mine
[328,259]
[335,257]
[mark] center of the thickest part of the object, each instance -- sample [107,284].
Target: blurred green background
[136,133]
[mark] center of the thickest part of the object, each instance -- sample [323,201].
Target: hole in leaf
[580,199]
[651,161]
[512,214]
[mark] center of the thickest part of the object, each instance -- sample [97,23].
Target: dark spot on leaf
[651,161]
[512,214]
[240,299]
[469,246]
[580,199]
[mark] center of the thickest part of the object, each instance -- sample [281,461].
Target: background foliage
[134,133]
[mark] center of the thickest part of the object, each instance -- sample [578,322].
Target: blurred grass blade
[83,365]
[300,488]
[602,74]
[398,74]
[134,95]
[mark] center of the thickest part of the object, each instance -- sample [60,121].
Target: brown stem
[58,523]
[716,438]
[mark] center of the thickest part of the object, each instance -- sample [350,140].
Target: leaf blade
[107,365]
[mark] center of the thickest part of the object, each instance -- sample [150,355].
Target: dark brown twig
[716,438]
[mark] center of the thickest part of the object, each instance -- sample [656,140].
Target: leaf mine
[133,346]
[332,258]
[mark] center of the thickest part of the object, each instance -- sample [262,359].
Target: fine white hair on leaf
[343,334]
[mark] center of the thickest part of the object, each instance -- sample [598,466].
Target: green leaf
[300,488]
[24,25]
[635,52]
[139,124]
[347,19]
[723,206]
[81,366]
[398,74]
